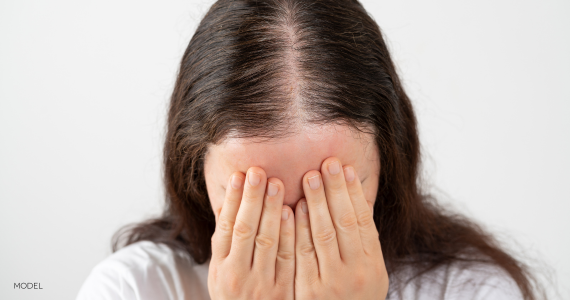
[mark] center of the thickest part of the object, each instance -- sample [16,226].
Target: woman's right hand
[253,246]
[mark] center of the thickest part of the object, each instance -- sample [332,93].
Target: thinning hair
[264,69]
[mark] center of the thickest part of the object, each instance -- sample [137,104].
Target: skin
[290,158]
[266,246]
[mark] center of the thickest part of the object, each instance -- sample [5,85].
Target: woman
[291,171]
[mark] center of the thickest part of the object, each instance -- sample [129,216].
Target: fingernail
[284,215]
[314,182]
[334,168]
[349,174]
[272,189]
[254,178]
[236,182]
[304,206]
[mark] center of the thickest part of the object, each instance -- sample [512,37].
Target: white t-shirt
[146,270]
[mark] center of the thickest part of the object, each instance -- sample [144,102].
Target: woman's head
[282,85]
[267,83]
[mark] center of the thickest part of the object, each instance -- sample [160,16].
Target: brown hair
[255,67]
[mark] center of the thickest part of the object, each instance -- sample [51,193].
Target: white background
[84,88]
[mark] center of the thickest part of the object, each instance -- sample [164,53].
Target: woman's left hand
[338,253]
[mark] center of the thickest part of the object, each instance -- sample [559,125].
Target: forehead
[291,157]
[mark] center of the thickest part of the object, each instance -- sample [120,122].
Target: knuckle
[319,200]
[256,294]
[287,233]
[225,225]
[348,221]
[336,185]
[338,289]
[232,199]
[307,250]
[264,241]
[249,196]
[365,220]
[359,280]
[285,255]
[243,230]
[327,236]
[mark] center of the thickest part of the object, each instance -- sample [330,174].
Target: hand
[253,259]
[338,253]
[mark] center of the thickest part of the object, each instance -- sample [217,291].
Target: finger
[322,229]
[342,212]
[222,238]
[267,238]
[364,213]
[247,220]
[285,263]
[306,264]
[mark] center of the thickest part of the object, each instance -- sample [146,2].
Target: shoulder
[480,281]
[146,270]
[458,280]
